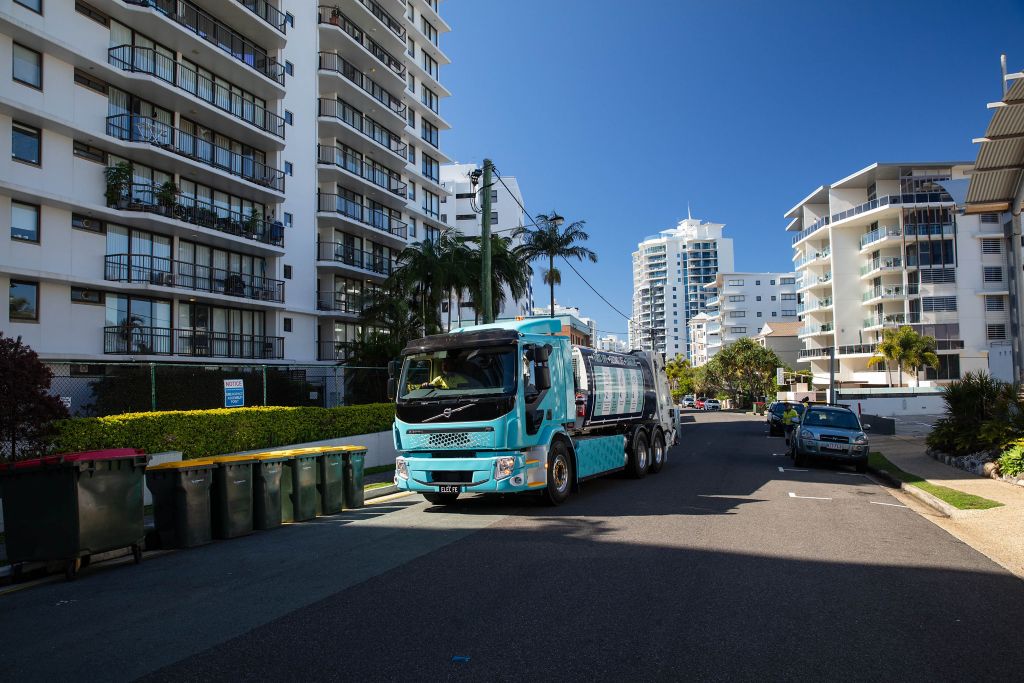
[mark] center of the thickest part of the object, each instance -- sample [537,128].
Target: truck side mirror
[542,353]
[542,376]
[394,367]
[392,388]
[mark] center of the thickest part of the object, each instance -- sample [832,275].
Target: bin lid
[82,456]
[184,464]
[232,458]
[267,455]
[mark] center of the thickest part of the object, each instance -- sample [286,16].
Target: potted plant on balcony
[119,180]
[166,197]
[336,15]
[254,224]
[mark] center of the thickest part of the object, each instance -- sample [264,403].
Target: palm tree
[508,271]
[922,354]
[896,346]
[427,271]
[548,239]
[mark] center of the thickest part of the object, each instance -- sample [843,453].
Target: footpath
[998,533]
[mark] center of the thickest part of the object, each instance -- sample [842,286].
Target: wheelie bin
[181,502]
[354,458]
[68,507]
[231,496]
[266,489]
[298,487]
[330,485]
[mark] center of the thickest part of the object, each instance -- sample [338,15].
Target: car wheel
[639,456]
[658,454]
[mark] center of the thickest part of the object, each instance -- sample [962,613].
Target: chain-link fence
[96,389]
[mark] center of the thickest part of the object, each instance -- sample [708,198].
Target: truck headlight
[401,468]
[503,467]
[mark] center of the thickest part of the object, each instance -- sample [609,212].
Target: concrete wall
[895,406]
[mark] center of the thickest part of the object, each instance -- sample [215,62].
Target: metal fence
[97,389]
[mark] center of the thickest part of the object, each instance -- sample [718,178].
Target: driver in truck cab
[449,378]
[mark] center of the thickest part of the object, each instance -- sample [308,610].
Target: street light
[556,220]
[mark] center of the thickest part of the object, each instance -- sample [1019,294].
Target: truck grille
[462,440]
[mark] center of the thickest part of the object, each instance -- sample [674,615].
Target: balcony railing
[330,61]
[886,200]
[148,61]
[336,156]
[878,235]
[356,258]
[334,16]
[882,263]
[385,17]
[823,254]
[815,304]
[150,199]
[133,128]
[364,124]
[218,34]
[268,13]
[810,229]
[885,292]
[334,350]
[817,329]
[375,218]
[165,272]
[927,229]
[164,341]
[341,303]
[888,320]
[813,353]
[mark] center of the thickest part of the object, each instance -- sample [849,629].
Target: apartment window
[24,222]
[465,217]
[994,303]
[993,274]
[737,297]
[412,190]
[431,204]
[410,47]
[287,324]
[287,272]
[940,276]
[412,227]
[411,13]
[789,297]
[288,168]
[93,13]
[288,118]
[989,246]
[428,30]
[735,283]
[27,66]
[788,312]
[429,98]
[737,330]
[288,218]
[996,332]
[82,78]
[84,151]
[758,298]
[938,303]
[86,296]
[411,86]
[494,195]
[787,281]
[410,117]
[80,222]
[989,218]
[773,297]
[34,5]
[26,143]
[289,19]
[494,217]
[737,314]
[759,314]
[289,68]
[757,282]
[412,154]
[23,300]
[431,167]
[771,282]
[430,65]
[428,132]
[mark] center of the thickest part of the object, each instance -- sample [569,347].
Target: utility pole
[485,246]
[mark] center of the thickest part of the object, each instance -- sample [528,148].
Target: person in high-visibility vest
[789,418]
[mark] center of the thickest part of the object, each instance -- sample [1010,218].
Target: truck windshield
[459,372]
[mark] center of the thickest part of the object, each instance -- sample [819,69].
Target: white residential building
[225,182]
[463,210]
[611,342]
[887,246]
[742,304]
[670,270]
[700,328]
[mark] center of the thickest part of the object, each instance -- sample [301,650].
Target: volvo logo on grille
[447,412]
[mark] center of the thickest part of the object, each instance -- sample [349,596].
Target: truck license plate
[449,488]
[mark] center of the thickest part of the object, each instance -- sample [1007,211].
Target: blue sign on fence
[234,393]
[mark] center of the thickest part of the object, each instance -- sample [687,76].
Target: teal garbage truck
[514,407]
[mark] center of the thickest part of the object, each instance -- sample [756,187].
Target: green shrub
[982,414]
[1011,462]
[202,433]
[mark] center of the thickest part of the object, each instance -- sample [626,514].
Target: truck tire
[658,452]
[441,498]
[559,474]
[639,456]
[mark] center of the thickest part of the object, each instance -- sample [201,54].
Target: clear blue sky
[620,113]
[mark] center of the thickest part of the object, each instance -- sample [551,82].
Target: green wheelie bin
[355,458]
[181,502]
[298,487]
[68,507]
[267,470]
[231,496]
[330,484]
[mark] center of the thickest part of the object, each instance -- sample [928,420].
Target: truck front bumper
[473,475]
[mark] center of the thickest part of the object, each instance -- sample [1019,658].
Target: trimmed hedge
[202,433]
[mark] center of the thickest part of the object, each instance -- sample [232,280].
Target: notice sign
[234,393]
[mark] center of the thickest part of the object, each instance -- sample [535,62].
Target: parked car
[687,401]
[699,403]
[712,404]
[830,433]
[773,416]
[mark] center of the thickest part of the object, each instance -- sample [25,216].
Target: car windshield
[835,419]
[458,372]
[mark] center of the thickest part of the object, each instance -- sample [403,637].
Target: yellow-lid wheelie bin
[231,496]
[355,459]
[181,502]
[267,471]
[298,487]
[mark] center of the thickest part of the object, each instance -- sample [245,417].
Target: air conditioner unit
[90,223]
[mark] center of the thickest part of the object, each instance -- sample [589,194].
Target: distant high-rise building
[670,270]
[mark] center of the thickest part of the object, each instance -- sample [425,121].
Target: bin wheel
[441,498]
[71,568]
[137,553]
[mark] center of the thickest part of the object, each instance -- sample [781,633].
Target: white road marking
[793,495]
[894,505]
[790,469]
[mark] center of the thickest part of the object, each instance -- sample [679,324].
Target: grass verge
[958,499]
[378,485]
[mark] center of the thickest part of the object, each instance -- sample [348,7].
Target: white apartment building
[463,209]
[887,246]
[210,179]
[699,328]
[670,270]
[742,303]
[611,342]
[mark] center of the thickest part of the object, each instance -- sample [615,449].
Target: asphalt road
[721,567]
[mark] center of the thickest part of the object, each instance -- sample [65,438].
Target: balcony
[881,265]
[336,351]
[218,34]
[811,330]
[813,353]
[810,281]
[884,292]
[879,235]
[355,258]
[332,302]
[928,229]
[164,272]
[887,320]
[334,17]
[894,200]
[151,199]
[818,304]
[387,180]
[133,128]
[330,61]
[146,60]
[812,257]
[385,18]
[268,13]
[354,211]
[134,340]
[811,229]
[341,111]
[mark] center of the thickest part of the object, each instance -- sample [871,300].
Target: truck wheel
[639,456]
[559,474]
[658,454]
[441,498]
